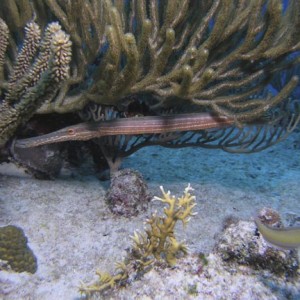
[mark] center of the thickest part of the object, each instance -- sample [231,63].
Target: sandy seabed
[73,233]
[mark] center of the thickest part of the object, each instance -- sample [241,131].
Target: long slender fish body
[284,238]
[130,126]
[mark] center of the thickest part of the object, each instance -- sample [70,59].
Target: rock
[128,193]
[241,243]
[43,162]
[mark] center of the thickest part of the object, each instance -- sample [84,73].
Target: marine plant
[157,243]
[150,57]
[196,51]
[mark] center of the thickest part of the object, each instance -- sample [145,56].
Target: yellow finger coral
[157,243]
[159,239]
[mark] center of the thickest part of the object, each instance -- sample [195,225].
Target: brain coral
[14,250]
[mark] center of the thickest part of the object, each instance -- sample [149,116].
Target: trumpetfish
[130,126]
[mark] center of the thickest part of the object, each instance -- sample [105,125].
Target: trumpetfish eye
[70,131]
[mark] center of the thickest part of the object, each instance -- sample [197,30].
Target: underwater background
[73,232]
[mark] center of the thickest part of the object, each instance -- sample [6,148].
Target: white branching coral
[41,67]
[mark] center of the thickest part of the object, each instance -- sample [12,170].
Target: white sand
[72,232]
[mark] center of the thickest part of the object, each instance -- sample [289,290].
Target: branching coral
[215,54]
[40,68]
[156,244]
[159,240]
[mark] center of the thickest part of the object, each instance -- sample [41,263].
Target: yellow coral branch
[157,243]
